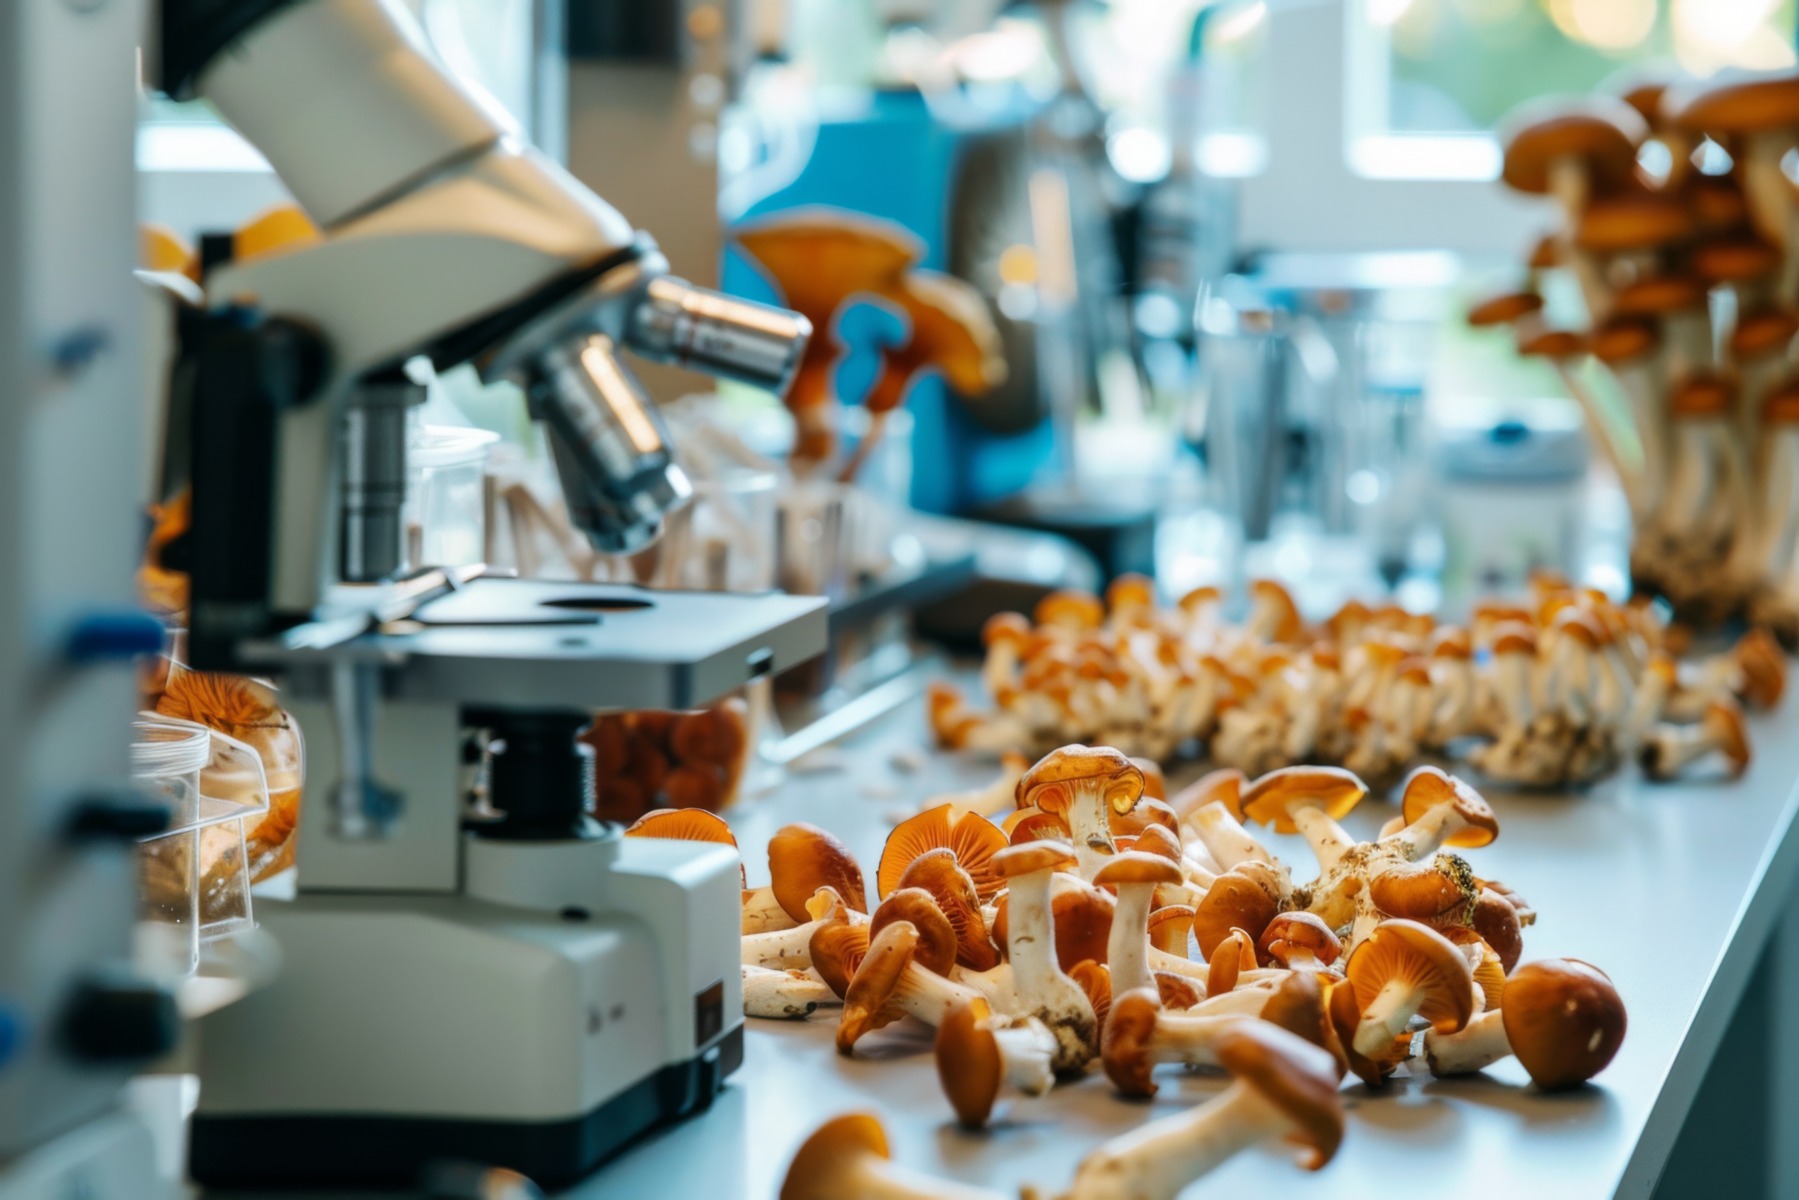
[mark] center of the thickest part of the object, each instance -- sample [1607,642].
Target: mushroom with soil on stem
[1670,749]
[784,994]
[1282,1087]
[1136,876]
[1044,990]
[952,332]
[801,859]
[1404,969]
[847,1158]
[979,1051]
[1085,785]
[1562,1018]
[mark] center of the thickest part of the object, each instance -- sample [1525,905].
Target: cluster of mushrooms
[1555,691]
[1062,939]
[1690,279]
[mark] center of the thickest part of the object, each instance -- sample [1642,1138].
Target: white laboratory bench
[1674,891]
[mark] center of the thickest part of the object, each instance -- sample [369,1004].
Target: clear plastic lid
[164,749]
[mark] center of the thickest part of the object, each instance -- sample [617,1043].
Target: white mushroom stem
[1425,836]
[1190,1039]
[1611,694]
[1569,686]
[1644,386]
[1027,1048]
[784,994]
[1770,196]
[1091,825]
[1777,502]
[1645,708]
[997,984]
[988,801]
[1247,999]
[790,949]
[1454,715]
[1157,1160]
[1173,964]
[1670,749]
[930,997]
[1512,682]
[1044,991]
[1476,1047]
[875,1178]
[1328,840]
[1127,946]
[1225,838]
[1387,1016]
[762,913]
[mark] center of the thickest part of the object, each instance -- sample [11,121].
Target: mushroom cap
[1515,637]
[1227,962]
[1169,928]
[1200,597]
[1070,609]
[803,858]
[1302,931]
[1546,253]
[836,949]
[1564,1020]
[1553,343]
[868,1001]
[1157,840]
[952,330]
[1027,858]
[1489,970]
[1224,785]
[1124,1044]
[1177,991]
[1271,799]
[1234,901]
[1082,918]
[1344,1011]
[1646,97]
[1733,259]
[1441,891]
[1752,106]
[1780,406]
[1032,824]
[1764,331]
[1136,867]
[1298,1007]
[1149,811]
[1496,920]
[1717,201]
[1601,130]
[936,945]
[1130,591]
[1095,979]
[1504,309]
[821,1167]
[1295,1076]
[1008,627]
[1269,591]
[682,824]
[1763,666]
[972,838]
[938,873]
[1700,396]
[819,257]
[1423,958]
[1576,623]
[1724,720]
[1050,785]
[969,1063]
[1427,787]
[1659,295]
[1635,219]
[1622,339]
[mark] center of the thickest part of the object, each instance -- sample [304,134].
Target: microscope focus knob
[119,1020]
[121,816]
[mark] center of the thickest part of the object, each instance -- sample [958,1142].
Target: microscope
[526,988]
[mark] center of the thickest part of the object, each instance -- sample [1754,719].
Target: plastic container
[193,879]
[446,520]
[1510,497]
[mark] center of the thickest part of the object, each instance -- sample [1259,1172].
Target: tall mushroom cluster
[1690,281]
[1559,689]
[1096,930]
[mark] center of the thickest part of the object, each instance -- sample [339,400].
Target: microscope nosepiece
[609,443]
[719,335]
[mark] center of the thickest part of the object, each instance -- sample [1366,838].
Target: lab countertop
[1672,890]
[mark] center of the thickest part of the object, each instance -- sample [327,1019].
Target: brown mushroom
[1405,969]
[1563,1018]
[1084,784]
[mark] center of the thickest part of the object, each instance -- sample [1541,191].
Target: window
[1431,79]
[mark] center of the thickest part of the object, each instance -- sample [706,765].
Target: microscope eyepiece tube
[718,335]
[609,443]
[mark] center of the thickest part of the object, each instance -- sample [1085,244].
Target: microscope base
[407,1030]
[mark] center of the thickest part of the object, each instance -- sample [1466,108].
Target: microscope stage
[541,644]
